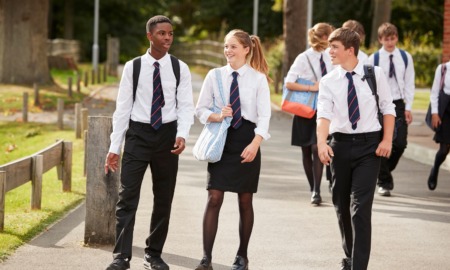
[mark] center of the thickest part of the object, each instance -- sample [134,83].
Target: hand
[111,162]
[384,149]
[179,146]
[226,111]
[408,117]
[250,152]
[435,120]
[325,153]
[315,87]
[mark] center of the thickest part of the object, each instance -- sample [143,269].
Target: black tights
[313,167]
[440,156]
[211,220]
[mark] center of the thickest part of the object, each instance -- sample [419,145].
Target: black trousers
[143,147]
[399,143]
[354,169]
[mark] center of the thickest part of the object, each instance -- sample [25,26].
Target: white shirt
[402,85]
[362,56]
[435,88]
[332,101]
[254,95]
[140,110]
[302,69]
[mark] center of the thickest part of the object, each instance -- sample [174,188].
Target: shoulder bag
[300,103]
[210,143]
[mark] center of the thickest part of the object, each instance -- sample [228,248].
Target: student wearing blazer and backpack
[398,67]
[155,119]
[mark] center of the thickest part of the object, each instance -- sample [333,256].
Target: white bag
[210,143]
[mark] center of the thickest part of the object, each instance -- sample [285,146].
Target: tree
[23,42]
[381,14]
[294,27]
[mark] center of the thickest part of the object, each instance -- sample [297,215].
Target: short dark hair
[349,38]
[153,21]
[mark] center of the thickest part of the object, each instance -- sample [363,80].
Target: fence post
[99,74]
[2,199]
[69,87]
[78,120]
[78,82]
[101,189]
[84,120]
[36,94]
[36,181]
[85,153]
[60,107]
[93,77]
[25,107]
[86,79]
[105,73]
[67,167]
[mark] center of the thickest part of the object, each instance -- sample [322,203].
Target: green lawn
[21,223]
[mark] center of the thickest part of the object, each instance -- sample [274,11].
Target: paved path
[410,229]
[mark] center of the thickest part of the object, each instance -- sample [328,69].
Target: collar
[359,69]
[383,50]
[163,61]
[241,70]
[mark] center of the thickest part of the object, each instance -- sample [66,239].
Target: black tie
[235,102]
[158,98]
[352,101]
[391,67]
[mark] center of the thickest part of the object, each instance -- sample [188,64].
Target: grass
[21,223]
[19,140]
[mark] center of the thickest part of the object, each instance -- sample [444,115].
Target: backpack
[376,58]
[137,70]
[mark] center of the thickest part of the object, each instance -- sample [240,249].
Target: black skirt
[229,174]
[442,135]
[304,131]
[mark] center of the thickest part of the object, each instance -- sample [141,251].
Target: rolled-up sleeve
[384,93]
[324,101]
[185,103]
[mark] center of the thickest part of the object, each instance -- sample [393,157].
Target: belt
[141,125]
[357,136]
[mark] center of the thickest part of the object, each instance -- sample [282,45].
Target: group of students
[155,110]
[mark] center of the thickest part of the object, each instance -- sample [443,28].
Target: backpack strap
[376,59]
[369,74]
[176,68]
[136,71]
[405,58]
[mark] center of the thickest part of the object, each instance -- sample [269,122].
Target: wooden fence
[205,52]
[31,168]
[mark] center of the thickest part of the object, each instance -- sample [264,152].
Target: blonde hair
[257,59]
[316,34]
[357,27]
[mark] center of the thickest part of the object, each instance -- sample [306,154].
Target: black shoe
[119,264]
[240,263]
[205,264]
[346,264]
[432,179]
[384,192]
[316,199]
[154,263]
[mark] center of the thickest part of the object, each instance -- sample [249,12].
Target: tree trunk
[23,42]
[381,14]
[295,32]
[68,19]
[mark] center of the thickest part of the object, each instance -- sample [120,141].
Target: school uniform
[146,146]
[355,165]
[442,134]
[402,88]
[307,66]
[229,174]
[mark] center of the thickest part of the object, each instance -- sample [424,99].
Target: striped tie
[323,67]
[352,101]
[158,99]
[235,102]
[391,67]
[443,72]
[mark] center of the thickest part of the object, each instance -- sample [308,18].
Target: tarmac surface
[410,229]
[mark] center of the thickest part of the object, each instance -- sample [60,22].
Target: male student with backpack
[359,140]
[154,113]
[398,67]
